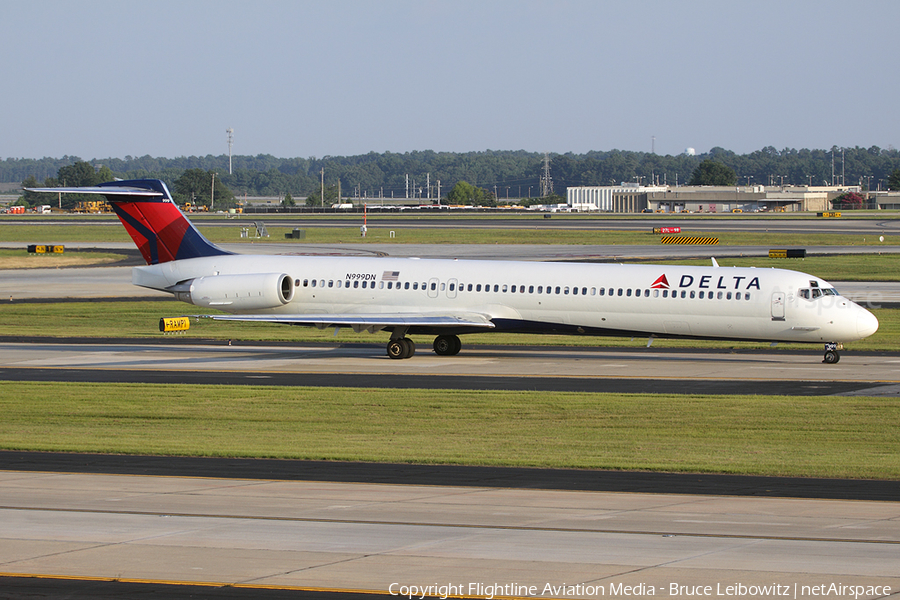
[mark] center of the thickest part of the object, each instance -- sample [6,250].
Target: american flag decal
[390,276]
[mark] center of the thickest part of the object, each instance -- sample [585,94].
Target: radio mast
[230,133]
[546,181]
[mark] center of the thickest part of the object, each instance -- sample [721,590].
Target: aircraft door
[433,287]
[452,286]
[778,306]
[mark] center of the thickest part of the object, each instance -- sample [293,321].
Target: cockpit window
[816,292]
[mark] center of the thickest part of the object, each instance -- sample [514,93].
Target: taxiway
[315,536]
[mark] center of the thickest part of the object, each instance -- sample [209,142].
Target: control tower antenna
[230,133]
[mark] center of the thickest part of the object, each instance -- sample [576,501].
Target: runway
[315,537]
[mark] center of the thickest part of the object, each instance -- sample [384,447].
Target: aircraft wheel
[447,345]
[401,348]
[396,349]
[831,357]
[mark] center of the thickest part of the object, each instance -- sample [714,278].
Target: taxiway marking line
[729,536]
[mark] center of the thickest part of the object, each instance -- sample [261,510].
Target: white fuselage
[605,299]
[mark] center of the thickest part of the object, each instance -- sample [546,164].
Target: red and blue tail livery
[152,219]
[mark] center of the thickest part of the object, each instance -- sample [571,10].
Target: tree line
[501,174]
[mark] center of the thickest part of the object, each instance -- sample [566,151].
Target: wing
[371,322]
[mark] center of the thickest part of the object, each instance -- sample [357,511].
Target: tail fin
[159,229]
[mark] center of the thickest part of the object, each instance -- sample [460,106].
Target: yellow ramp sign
[172,324]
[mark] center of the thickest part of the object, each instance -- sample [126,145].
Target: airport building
[634,198]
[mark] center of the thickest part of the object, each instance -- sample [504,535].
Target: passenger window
[665,293]
[496,288]
[478,288]
[557,289]
[628,292]
[530,289]
[620,292]
[602,291]
[728,296]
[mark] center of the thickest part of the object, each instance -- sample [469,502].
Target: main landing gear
[831,353]
[403,347]
[446,345]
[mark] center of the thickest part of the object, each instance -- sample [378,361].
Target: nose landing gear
[831,353]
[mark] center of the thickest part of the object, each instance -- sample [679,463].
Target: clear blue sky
[110,78]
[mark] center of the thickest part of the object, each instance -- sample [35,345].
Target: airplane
[448,298]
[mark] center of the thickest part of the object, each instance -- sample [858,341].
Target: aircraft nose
[866,323]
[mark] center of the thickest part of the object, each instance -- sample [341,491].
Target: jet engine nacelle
[255,291]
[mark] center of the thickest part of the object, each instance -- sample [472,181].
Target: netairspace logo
[673,590]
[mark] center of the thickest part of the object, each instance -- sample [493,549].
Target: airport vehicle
[448,298]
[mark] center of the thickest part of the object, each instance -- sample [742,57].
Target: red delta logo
[661,283]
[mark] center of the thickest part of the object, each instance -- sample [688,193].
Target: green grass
[60,234]
[18,259]
[100,319]
[536,233]
[801,436]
